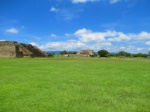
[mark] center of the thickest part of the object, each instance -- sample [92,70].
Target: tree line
[105,53]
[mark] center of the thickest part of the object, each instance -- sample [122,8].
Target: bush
[103,53]
[50,55]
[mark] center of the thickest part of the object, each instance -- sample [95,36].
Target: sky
[72,25]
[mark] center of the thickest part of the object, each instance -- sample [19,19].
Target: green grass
[75,85]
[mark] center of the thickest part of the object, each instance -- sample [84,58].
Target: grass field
[75,85]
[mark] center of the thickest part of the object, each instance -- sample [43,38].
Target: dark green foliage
[50,54]
[123,54]
[103,53]
[72,52]
[63,52]
[140,55]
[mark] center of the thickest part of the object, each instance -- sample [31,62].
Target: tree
[103,53]
[72,52]
[63,52]
[140,55]
[123,53]
[50,54]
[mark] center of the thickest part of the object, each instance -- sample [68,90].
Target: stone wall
[7,50]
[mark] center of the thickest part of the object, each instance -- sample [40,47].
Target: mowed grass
[75,85]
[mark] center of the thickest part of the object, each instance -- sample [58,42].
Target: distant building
[12,49]
[86,53]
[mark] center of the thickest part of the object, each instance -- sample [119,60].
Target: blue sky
[113,25]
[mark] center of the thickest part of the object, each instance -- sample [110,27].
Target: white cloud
[63,45]
[77,45]
[89,36]
[53,35]
[118,37]
[82,31]
[129,49]
[72,45]
[34,44]
[53,9]
[12,31]
[144,36]
[112,41]
[148,43]
[141,36]
[140,49]
[83,1]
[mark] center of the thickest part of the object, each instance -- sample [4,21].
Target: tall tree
[123,53]
[103,53]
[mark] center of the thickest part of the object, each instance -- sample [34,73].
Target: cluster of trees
[105,53]
[61,53]
[50,54]
[65,52]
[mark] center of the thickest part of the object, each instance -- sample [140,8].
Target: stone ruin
[10,49]
[82,53]
[87,53]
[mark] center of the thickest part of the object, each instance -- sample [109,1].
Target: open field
[75,85]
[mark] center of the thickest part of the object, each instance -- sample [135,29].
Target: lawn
[75,85]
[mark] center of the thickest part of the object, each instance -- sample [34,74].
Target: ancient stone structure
[14,49]
[86,53]
[82,53]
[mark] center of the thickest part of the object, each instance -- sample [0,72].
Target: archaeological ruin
[11,49]
[86,53]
